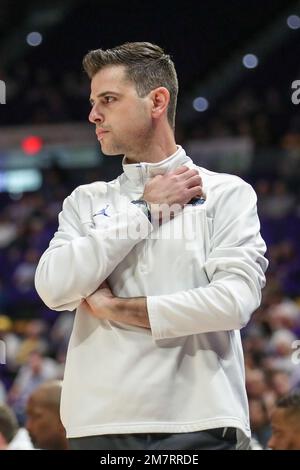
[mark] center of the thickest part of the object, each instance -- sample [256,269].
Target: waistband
[222,433]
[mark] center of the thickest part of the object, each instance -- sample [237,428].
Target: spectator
[43,417]
[285,421]
[37,370]
[11,436]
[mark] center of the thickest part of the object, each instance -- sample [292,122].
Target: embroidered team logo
[197,201]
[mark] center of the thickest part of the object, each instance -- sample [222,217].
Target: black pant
[210,439]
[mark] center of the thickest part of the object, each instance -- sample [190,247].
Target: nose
[95,115]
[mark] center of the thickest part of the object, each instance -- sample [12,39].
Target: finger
[196,191]
[194,181]
[180,170]
[188,174]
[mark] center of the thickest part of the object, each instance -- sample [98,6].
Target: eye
[109,99]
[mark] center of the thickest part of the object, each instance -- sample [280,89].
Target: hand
[103,305]
[100,303]
[172,190]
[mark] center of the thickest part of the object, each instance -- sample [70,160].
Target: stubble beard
[139,147]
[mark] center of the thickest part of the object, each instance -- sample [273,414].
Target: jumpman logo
[102,212]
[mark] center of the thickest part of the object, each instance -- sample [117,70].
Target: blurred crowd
[258,109]
[254,106]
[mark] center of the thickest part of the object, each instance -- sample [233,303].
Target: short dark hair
[8,423]
[147,66]
[290,402]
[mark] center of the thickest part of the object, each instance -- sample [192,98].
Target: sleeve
[235,269]
[75,264]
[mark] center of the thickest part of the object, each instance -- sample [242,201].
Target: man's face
[123,119]
[43,425]
[285,431]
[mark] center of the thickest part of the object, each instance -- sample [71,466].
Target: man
[161,278]
[285,421]
[43,419]
[12,437]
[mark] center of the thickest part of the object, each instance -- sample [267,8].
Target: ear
[160,98]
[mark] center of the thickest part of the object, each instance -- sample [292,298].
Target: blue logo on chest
[196,201]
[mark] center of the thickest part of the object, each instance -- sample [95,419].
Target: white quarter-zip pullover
[202,274]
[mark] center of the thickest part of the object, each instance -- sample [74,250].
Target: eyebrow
[103,94]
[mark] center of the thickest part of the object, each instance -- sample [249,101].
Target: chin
[111,152]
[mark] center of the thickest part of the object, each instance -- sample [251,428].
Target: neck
[161,146]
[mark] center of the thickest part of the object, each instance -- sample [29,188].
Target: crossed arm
[235,269]
[105,306]
[176,187]
[76,263]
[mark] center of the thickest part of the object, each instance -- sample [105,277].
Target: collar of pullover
[139,173]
